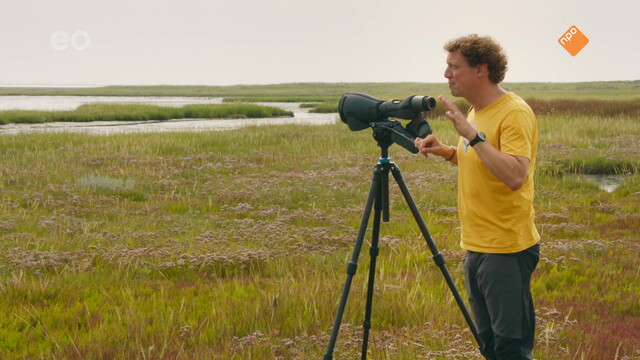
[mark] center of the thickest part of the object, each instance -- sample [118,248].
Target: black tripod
[379,196]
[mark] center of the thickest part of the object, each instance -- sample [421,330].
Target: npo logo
[573,40]
[61,40]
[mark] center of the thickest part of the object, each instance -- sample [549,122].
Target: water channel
[47,103]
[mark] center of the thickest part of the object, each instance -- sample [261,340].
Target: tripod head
[388,132]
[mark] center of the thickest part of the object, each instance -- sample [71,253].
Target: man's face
[461,76]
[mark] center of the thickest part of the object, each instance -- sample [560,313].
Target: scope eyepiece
[422,103]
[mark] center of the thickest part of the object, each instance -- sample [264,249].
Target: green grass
[122,112]
[325,108]
[321,92]
[234,245]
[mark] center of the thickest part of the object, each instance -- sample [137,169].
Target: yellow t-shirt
[494,218]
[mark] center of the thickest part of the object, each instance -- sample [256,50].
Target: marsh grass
[323,92]
[324,108]
[129,112]
[234,245]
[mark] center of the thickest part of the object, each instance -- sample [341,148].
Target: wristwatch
[480,137]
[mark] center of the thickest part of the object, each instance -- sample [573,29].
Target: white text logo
[61,40]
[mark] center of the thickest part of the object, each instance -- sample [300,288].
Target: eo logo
[573,40]
[79,40]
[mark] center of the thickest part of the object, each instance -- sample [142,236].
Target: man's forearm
[509,169]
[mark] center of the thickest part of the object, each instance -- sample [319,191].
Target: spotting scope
[360,111]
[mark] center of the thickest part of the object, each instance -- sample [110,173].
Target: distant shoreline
[49,86]
[323,92]
[64,86]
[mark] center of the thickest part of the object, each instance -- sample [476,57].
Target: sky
[216,42]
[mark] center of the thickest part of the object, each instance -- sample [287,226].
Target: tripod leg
[437,257]
[379,206]
[384,189]
[353,264]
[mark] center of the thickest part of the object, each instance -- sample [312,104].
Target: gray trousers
[498,286]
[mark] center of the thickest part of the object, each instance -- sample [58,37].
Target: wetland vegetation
[234,244]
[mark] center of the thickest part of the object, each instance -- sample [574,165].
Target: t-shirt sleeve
[517,134]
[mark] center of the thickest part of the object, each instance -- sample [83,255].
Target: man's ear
[482,70]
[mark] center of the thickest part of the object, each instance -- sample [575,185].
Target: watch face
[482,136]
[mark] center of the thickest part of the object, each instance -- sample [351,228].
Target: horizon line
[72,85]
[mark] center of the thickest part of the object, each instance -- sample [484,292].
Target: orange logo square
[573,40]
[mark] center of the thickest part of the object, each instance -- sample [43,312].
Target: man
[496,159]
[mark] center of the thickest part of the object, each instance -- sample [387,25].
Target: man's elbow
[515,184]
[518,175]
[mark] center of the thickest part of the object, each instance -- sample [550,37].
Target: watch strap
[477,139]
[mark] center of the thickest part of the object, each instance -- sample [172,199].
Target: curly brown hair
[481,50]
